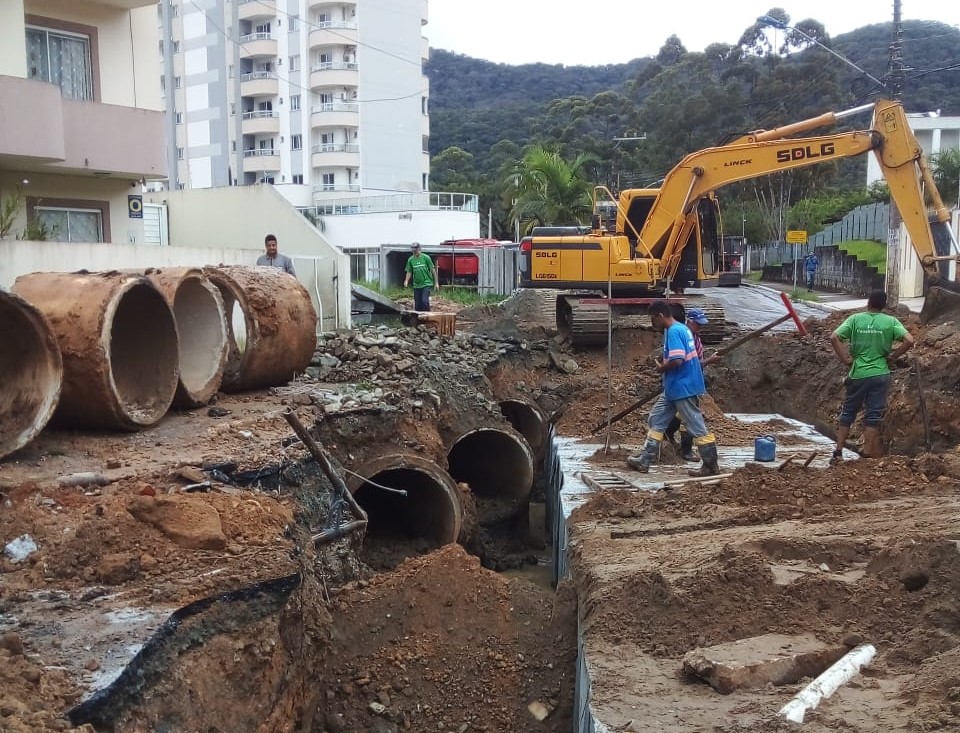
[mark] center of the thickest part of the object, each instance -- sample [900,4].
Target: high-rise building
[326,99]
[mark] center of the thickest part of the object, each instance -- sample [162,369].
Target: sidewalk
[831,302]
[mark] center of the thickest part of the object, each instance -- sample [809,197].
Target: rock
[539,710]
[91,665]
[12,642]
[117,568]
[87,478]
[761,660]
[187,520]
[20,548]
[852,639]
[377,708]
[190,474]
[218,412]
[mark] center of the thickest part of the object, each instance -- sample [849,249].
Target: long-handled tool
[735,344]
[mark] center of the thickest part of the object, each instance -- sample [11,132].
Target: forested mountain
[483,115]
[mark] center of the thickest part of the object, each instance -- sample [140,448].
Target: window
[296,142]
[230,71]
[176,46]
[426,143]
[179,118]
[294,23]
[71,225]
[61,58]
[176,82]
[179,153]
[294,102]
[294,63]
[328,182]
[423,105]
[298,178]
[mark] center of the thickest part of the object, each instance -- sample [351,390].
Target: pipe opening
[403,526]
[144,358]
[526,420]
[202,332]
[31,373]
[498,467]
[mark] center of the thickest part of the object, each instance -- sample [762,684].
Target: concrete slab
[771,659]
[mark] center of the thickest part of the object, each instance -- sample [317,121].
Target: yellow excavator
[653,241]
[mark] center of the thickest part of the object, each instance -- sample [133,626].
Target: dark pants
[869,393]
[421,299]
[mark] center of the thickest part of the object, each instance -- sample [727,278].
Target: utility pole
[894,89]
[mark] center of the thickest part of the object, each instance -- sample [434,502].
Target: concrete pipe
[201,328]
[119,344]
[271,325]
[431,509]
[31,373]
[527,419]
[497,465]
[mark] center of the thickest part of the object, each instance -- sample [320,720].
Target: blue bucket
[765,448]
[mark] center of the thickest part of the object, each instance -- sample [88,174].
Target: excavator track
[585,324]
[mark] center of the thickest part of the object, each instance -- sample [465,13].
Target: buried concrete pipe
[527,419]
[31,373]
[271,325]
[118,340]
[430,509]
[201,328]
[497,465]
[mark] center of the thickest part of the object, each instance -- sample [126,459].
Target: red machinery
[460,268]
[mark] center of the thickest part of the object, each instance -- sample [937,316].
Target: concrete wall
[13,41]
[428,227]
[238,217]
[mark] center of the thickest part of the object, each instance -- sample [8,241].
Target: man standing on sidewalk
[869,337]
[682,388]
[810,265]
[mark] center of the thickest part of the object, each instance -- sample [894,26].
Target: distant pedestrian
[810,265]
[682,388]
[869,337]
[423,272]
[273,258]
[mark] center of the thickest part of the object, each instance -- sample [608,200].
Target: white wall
[427,227]
[911,273]
[13,41]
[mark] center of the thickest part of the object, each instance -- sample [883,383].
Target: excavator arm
[773,151]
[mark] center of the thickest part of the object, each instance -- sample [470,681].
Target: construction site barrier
[271,325]
[201,328]
[31,373]
[118,341]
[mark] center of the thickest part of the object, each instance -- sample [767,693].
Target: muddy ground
[395,639]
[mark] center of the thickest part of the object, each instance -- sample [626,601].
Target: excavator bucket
[942,299]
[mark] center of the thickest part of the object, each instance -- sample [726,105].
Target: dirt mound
[525,314]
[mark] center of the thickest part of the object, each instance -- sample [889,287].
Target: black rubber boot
[711,466]
[646,457]
[686,447]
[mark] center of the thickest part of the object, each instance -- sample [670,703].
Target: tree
[946,174]
[453,170]
[546,189]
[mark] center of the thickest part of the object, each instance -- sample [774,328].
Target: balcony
[313,4]
[334,33]
[334,74]
[258,46]
[332,155]
[259,84]
[249,9]
[260,122]
[335,114]
[68,135]
[261,160]
[336,188]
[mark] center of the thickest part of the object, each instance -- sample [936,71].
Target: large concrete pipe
[201,328]
[31,373]
[497,465]
[119,344]
[527,419]
[430,510]
[271,325]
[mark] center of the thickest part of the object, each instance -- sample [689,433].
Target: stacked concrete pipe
[31,373]
[201,328]
[498,466]
[528,420]
[118,340]
[279,322]
[431,508]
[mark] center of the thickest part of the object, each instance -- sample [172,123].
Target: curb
[823,307]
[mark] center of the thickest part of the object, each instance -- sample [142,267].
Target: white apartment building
[325,99]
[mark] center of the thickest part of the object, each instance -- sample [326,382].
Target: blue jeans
[811,276]
[421,299]
[687,409]
[869,393]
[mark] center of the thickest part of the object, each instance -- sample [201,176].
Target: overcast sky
[617,31]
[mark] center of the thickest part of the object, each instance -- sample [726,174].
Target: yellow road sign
[796,236]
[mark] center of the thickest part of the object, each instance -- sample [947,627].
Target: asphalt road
[753,307]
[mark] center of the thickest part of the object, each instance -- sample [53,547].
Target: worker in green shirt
[424,274]
[869,339]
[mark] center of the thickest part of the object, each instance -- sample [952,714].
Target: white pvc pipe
[839,673]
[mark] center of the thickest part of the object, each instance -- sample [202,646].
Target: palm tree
[946,174]
[546,189]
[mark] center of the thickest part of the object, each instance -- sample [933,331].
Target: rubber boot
[711,466]
[686,447]
[646,457]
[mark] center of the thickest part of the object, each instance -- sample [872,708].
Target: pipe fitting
[201,328]
[430,510]
[31,373]
[497,465]
[271,325]
[118,340]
